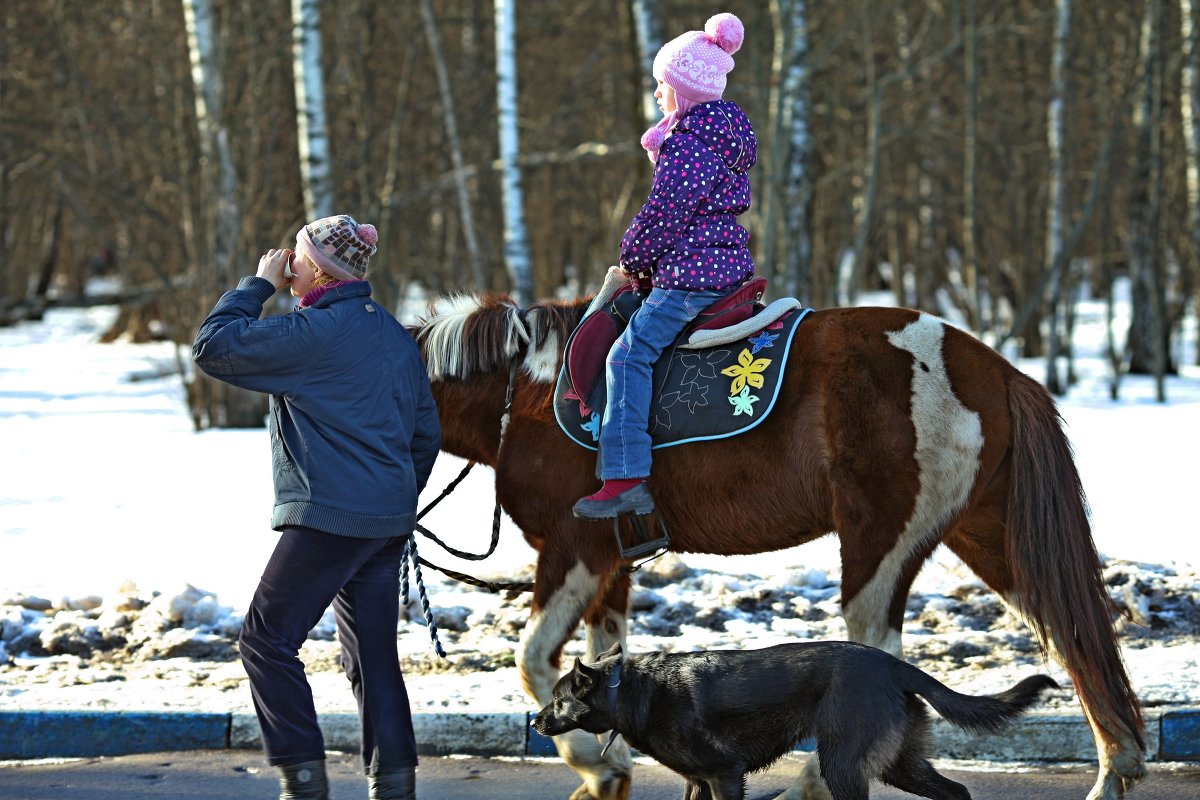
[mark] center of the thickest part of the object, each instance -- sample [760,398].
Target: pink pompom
[368,234]
[726,31]
[653,138]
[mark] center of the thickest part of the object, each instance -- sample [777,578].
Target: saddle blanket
[699,394]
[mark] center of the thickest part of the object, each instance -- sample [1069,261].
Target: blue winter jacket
[354,428]
[687,233]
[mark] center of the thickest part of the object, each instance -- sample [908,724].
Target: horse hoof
[614,785]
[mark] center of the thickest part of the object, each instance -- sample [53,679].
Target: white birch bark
[798,183]
[456,154]
[516,242]
[213,137]
[1056,207]
[647,29]
[311,128]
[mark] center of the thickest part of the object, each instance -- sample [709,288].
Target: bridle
[495,587]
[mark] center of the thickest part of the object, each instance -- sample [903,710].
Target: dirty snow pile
[180,650]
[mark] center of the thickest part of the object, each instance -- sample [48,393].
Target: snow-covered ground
[111,507]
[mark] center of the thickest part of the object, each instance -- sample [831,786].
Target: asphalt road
[241,775]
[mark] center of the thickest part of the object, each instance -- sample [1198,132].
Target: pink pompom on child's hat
[338,245]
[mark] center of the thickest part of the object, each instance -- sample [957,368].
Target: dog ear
[613,652]
[582,676]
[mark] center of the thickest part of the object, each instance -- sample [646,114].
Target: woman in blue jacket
[354,435]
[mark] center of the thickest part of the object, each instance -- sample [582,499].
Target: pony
[893,429]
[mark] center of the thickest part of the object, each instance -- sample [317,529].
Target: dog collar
[612,686]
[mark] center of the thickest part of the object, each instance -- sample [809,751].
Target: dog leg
[557,613]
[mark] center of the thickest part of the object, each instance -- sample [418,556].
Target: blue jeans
[308,571]
[629,372]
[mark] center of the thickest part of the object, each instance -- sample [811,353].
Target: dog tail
[977,713]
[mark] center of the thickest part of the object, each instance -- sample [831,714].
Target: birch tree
[222,215]
[647,31]
[213,403]
[516,241]
[312,136]
[1056,207]
[791,185]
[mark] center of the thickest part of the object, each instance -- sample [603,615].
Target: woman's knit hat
[339,246]
[694,65]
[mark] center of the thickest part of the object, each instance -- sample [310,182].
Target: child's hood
[726,130]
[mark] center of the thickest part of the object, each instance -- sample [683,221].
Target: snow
[130,546]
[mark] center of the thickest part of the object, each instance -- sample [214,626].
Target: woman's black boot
[303,781]
[398,785]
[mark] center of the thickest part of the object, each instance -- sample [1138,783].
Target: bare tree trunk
[456,153]
[864,203]
[312,136]
[974,286]
[1189,103]
[516,241]
[1147,333]
[1056,207]
[647,30]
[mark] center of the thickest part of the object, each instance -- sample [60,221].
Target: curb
[1171,735]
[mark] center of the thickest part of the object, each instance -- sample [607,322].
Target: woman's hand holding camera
[275,266]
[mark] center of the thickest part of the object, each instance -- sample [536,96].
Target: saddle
[589,344]
[717,355]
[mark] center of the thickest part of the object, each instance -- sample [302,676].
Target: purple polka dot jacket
[687,234]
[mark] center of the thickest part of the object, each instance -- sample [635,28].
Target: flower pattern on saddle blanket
[699,394]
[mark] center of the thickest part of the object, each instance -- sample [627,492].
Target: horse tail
[976,713]
[1056,569]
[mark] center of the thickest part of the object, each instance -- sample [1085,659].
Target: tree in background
[917,152]
[311,132]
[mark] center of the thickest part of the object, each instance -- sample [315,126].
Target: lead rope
[410,546]
[410,554]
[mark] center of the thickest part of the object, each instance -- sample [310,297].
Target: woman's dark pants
[308,571]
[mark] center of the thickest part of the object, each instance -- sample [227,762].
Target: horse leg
[606,622]
[877,574]
[980,542]
[559,604]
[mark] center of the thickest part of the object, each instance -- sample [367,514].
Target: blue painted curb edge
[1179,733]
[45,734]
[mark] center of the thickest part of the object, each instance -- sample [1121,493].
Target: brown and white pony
[893,429]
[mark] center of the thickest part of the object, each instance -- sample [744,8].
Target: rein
[495,587]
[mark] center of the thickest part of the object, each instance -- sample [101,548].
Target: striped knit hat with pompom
[339,246]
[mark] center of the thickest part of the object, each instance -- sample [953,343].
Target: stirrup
[643,544]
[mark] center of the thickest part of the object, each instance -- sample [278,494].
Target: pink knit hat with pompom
[694,65]
[339,246]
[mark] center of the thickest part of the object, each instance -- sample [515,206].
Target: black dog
[715,716]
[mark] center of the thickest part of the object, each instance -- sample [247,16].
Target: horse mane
[472,334]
